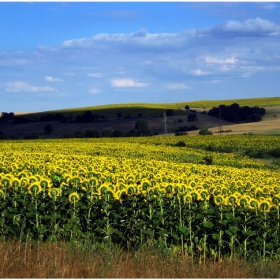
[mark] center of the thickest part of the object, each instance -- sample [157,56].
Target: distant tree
[33,135]
[187,107]
[132,133]
[78,134]
[256,117]
[107,132]
[205,131]
[118,133]
[3,135]
[48,128]
[6,116]
[192,117]
[88,116]
[119,115]
[169,112]
[142,128]
[92,133]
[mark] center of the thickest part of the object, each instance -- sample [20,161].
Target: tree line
[237,114]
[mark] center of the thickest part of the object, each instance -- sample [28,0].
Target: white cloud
[211,60]
[127,82]
[267,6]
[20,86]
[198,72]
[51,79]
[94,90]
[177,86]
[249,27]
[94,75]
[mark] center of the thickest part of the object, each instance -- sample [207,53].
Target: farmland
[196,198]
[153,114]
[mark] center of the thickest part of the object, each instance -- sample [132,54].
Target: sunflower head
[15,183]
[54,192]
[168,189]
[243,201]
[231,200]
[188,198]
[5,182]
[219,200]
[276,200]
[34,189]
[73,197]
[253,203]
[265,206]
[45,184]
[204,195]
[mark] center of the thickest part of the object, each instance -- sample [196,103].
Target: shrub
[33,135]
[275,152]
[205,131]
[208,160]
[180,144]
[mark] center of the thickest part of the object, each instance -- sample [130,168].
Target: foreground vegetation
[182,200]
[76,260]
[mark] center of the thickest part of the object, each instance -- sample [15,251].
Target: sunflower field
[146,190]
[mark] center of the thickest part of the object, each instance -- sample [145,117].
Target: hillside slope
[152,113]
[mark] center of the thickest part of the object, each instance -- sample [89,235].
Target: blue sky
[76,54]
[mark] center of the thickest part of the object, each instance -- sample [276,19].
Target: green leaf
[228,216]
[233,229]
[208,224]
[228,232]
[183,229]
[12,210]
[119,233]
[215,236]
[199,216]
[175,236]
[259,239]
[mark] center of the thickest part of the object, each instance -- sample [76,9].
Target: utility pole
[165,123]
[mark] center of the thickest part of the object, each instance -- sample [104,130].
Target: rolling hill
[129,114]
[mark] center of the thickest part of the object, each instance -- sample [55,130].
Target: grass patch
[65,260]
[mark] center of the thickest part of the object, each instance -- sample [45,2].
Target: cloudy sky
[69,54]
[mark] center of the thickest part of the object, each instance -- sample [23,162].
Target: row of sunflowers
[107,192]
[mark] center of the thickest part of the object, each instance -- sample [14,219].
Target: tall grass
[73,260]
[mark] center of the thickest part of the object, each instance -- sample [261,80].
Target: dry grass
[29,260]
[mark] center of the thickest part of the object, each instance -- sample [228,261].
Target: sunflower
[145,184]
[73,197]
[168,189]
[225,191]
[187,198]
[276,200]
[5,182]
[203,195]
[243,201]
[15,183]
[253,203]
[54,192]
[23,182]
[231,200]
[219,200]
[194,195]
[34,189]
[265,206]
